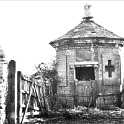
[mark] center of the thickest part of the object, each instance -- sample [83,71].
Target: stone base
[107,101]
[65,101]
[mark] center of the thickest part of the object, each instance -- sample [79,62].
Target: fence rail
[24,95]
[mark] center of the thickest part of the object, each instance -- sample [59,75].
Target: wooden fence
[29,94]
[24,96]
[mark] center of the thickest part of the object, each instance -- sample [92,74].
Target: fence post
[10,104]
[18,96]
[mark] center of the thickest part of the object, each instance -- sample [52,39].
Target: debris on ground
[78,109]
[82,112]
[94,113]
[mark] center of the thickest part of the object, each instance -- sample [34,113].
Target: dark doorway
[85,73]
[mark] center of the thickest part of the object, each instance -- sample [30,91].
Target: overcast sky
[27,27]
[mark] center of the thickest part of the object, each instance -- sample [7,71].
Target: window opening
[85,73]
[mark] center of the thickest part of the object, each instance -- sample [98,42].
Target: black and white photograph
[61,62]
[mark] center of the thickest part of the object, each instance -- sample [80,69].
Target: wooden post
[10,103]
[18,96]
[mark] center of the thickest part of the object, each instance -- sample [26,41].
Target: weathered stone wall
[109,84]
[107,100]
[109,87]
[65,62]
[66,59]
[61,66]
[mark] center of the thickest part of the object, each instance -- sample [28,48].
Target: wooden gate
[25,96]
[29,94]
[87,92]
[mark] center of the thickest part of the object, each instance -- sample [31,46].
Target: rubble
[78,109]
[94,113]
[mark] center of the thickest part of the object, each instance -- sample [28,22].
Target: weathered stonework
[88,64]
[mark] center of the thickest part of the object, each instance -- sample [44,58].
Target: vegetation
[49,79]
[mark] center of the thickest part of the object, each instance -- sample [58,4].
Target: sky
[27,27]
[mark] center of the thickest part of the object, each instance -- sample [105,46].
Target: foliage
[50,79]
[49,75]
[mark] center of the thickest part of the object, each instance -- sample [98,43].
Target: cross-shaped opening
[109,68]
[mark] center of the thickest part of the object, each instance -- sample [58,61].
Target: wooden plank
[18,96]
[10,107]
[27,105]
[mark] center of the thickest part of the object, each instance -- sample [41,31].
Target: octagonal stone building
[88,64]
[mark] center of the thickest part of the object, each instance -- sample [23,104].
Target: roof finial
[87,12]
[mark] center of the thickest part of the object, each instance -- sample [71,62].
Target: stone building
[88,64]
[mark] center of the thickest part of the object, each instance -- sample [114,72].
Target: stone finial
[87,12]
